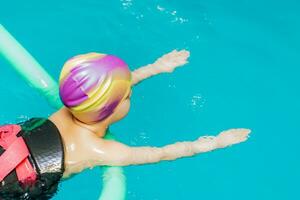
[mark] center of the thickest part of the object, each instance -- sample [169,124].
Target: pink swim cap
[92,85]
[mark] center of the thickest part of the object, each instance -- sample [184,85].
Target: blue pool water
[243,72]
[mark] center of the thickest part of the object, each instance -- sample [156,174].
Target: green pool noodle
[114,181]
[28,67]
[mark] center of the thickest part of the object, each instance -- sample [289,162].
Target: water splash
[197,102]
[175,18]
[22,118]
[126,3]
[141,138]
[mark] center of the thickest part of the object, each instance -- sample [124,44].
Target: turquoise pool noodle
[114,181]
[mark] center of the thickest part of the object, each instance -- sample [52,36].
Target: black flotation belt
[31,160]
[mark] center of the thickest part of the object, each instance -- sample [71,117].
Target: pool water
[243,72]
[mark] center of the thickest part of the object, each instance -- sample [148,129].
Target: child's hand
[224,139]
[172,60]
[232,136]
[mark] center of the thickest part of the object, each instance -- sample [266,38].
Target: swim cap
[92,85]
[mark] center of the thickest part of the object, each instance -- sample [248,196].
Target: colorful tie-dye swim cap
[92,85]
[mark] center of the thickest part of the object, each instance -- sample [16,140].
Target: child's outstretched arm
[165,64]
[117,154]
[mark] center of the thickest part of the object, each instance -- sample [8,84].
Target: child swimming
[96,90]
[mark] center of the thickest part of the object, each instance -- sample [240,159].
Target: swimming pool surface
[243,72]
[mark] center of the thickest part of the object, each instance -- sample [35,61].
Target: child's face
[122,110]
